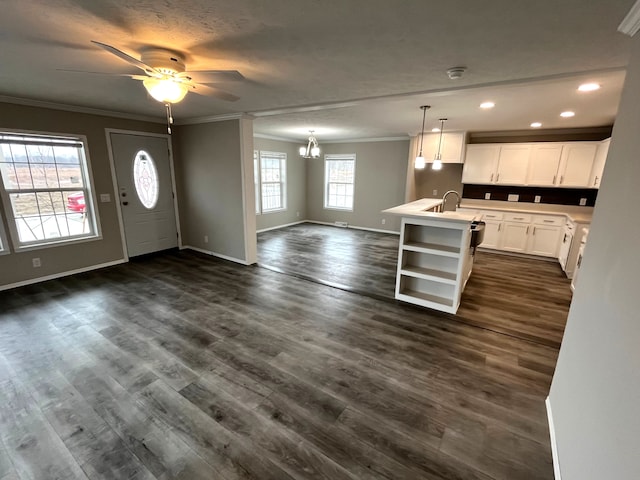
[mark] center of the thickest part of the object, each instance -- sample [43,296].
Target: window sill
[275,210]
[59,243]
[339,209]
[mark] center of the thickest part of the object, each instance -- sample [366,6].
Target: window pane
[340,175]
[70,175]
[145,178]
[9,176]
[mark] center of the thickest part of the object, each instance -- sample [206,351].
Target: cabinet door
[544,163]
[492,233]
[480,164]
[576,164]
[513,163]
[544,240]
[451,150]
[598,163]
[514,236]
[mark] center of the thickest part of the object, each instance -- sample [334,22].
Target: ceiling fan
[167,79]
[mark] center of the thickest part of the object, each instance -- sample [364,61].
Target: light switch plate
[583,202]
[105,197]
[537,199]
[513,197]
[487,196]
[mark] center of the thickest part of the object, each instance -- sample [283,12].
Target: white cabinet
[544,164]
[598,163]
[434,263]
[515,233]
[452,150]
[544,240]
[480,164]
[576,164]
[513,161]
[492,232]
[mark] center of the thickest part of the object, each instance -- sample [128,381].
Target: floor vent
[341,224]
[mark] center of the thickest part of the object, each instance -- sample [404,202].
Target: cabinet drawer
[556,221]
[489,215]
[517,217]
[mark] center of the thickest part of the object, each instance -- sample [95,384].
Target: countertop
[577,217]
[418,209]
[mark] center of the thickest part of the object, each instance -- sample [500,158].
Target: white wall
[595,394]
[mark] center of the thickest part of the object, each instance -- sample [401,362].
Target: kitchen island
[435,256]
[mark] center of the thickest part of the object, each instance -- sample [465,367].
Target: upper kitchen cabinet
[576,164]
[543,167]
[481,163]
[598,163]
[452,149]
[513,161]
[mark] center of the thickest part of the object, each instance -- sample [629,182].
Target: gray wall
[381,169]
[210,187]
[17,267]
[296,185]
[428,180]
[595,394]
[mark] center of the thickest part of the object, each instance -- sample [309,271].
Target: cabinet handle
[491,179]
[595,181]
[548,221]
[527,229]
[518,218]
[534,230]
[554,179]
[497,177]
[564,239]
[499,226]
[561,179]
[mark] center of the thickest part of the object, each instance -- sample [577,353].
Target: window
[46,188]
[272,186]
[339,178]
[145,177]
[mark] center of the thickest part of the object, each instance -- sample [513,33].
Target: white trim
[213,118]
[61,274]
[631,23]
[214,254]
[337,157]
[554,444]
[367,140]
[281,226]
[274,137]
[247,169]
[78,109]
[354,227]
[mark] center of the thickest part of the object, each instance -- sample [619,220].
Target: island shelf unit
[434,262]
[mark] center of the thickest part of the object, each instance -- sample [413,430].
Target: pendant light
[420,163]
[437,161]
[312,150]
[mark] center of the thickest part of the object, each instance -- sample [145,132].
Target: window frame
[282,157]
[339,157]
[93,217]
[4,242]
[256,181]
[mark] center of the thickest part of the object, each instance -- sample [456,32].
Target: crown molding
[274,137]
[631,23]
[28,102]
[214,118]
[369,140]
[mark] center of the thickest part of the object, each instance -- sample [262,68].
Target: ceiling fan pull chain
[169,117]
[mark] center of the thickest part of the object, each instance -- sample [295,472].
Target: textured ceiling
[318,52]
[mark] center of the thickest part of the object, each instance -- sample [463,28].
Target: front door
[145,190]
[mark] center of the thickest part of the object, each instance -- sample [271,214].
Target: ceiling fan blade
[213,92]
[212,76]
[127,58]
[100,73]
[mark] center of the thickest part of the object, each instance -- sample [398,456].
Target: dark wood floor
[527,298]
[185,366]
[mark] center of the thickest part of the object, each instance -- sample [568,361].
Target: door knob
[125,203]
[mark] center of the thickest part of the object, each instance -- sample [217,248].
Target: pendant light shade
[312,150]
[420,162]
[437,161]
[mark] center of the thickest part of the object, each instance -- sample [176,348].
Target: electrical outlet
[435,193]
[537,199]
[513,197]
[487,196]
[384,220]
[206,239]
[36,262]
[105,198]
[583,202]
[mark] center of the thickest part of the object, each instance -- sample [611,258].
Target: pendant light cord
[440,138]
[169,117]
[424,114]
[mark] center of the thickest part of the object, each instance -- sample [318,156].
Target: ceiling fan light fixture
[165,90]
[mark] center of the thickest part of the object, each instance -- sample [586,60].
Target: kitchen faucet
[444,198]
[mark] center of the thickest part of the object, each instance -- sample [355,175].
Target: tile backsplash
[547,195]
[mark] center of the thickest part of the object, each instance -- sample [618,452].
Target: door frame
[116,194]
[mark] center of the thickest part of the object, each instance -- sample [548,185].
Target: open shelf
[433,248]
[427,297]
[429,274]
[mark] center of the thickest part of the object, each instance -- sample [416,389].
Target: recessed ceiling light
[567,114]
[435,129]
[487,105]
[588,87]
[536,125]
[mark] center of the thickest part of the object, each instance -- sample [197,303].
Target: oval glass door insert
[145,178]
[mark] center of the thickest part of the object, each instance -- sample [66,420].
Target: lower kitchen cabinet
[492,233]
[544,240]
[515,237]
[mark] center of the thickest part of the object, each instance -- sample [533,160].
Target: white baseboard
[281,226]
[354,227]
[554,445]
[61,274]
[214,254]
